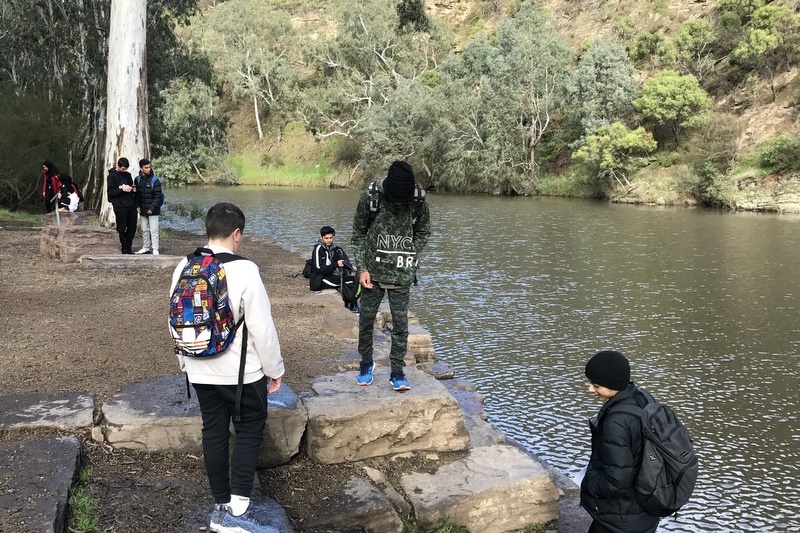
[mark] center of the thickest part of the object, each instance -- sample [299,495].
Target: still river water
[519,293]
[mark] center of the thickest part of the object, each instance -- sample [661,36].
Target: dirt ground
[75,329]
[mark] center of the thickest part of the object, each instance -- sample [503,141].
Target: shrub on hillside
[781,154]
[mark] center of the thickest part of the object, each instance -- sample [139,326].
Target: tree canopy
[674,102]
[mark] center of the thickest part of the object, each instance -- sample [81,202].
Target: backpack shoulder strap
[225,257]
[419,199]
[222,257]
[374,197]
[627,409]
[153,180]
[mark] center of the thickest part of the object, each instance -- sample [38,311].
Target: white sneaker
[155,252]
[142,251]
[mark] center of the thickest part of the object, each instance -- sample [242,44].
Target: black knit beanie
[399,183]
[609,369]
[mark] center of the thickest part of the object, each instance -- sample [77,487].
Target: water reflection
[518,293]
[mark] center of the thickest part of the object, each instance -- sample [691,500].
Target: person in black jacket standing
[149,198]
[607,489]
[122,195]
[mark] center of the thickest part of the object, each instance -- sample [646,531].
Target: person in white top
[215,379]
[68,198]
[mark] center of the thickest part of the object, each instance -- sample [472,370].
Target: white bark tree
[127,131]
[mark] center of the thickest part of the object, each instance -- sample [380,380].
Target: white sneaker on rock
[142,251]
[155,252]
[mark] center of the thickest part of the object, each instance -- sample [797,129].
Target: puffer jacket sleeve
[361,223]
[158,196]
[621,435]
[422,228]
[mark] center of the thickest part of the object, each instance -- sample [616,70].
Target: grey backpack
[669,468]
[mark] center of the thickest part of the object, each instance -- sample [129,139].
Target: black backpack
[351,292]
[307,269]
[669,468]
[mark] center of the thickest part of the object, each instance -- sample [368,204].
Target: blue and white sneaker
[254,520]
[399,382]
[365,373]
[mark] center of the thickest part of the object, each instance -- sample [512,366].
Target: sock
[239,505]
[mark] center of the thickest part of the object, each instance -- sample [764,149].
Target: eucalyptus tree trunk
[127,132]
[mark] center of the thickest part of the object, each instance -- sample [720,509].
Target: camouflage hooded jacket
[387,242]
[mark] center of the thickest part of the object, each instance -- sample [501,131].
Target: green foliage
[691,51]
[715,149]
[610,153]
[252,45]
[362,65]
[541,527]
[406,125]
[411,15]
[674,102]
[83,505]
[602,88]
[345,151]
[772,42]
[780,154]
[410,527]
[20,216]
[503,99]
[644,46]
[625,28]
[33,130]
[738,12]
[192,131]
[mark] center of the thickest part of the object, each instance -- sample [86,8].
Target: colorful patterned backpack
[200,319]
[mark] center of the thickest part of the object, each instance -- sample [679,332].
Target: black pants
[217,405]
[49,204]
[126,227]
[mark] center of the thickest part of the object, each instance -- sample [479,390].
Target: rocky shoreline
[338,457]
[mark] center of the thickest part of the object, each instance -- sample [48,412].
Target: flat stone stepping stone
[125,261]
[357,506]
[68,411]
[347,422]
[495,489]
[36,476]
[154,415]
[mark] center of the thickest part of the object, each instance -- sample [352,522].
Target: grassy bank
[19,216]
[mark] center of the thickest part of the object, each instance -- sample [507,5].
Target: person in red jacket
[51,185]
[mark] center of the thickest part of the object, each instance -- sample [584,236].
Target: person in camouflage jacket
[387,241]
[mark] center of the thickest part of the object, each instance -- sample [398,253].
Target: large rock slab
[358,506]
[347,422]
[77,218]
[69,411]
[286,424]
[154,415]
[36,477]
[493,490]
[481,432]
[420,344]
[130,261]
[68,243]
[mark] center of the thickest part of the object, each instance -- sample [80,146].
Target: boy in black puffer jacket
[607,489]
[149,198]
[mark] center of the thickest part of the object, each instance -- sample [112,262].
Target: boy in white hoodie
[215,380]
